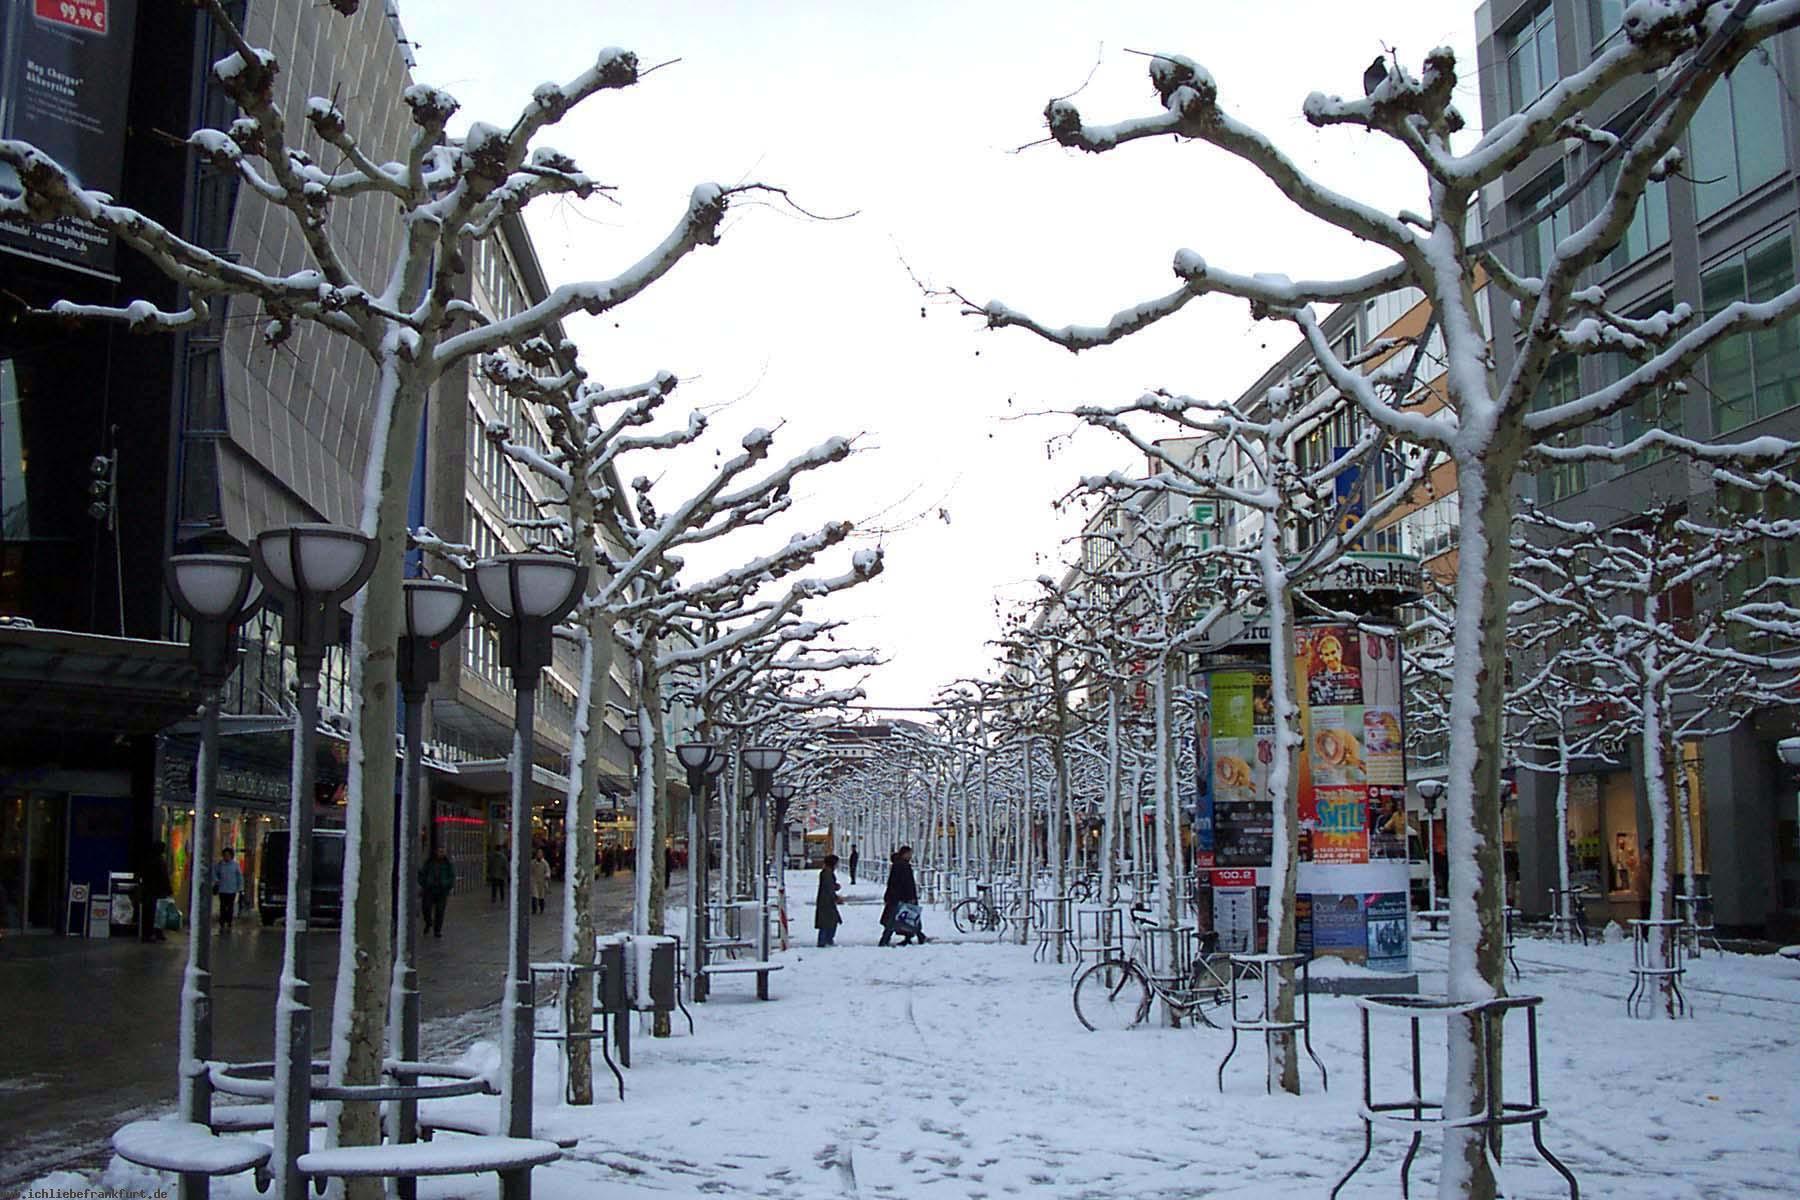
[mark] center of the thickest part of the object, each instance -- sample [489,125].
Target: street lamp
[216,593]
[1430,792]
[434,613]
[310,570]
[696,758]
[763,762]
[523,596]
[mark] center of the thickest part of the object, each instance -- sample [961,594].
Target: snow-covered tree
[1488,423]
[409,316]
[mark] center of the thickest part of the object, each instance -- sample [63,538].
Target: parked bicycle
[978,913]
[1116,992]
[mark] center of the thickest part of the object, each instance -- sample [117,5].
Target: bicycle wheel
[967,915]
[1111,995]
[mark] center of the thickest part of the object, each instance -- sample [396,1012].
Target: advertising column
[1353,873]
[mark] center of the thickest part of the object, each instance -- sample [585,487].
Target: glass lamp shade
[1430,792]
[717,765]
[214,587]
[1789,750]
[783,791]
[764,758]
[541,586]
[434,608]
[629,734]
[697,756]
[315,561]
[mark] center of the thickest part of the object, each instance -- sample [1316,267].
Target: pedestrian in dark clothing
[437,879]
[608,862]
[668,865]
[227,882]
[902,888]
[496,874]
[854,859]
[156,885]
[826,917]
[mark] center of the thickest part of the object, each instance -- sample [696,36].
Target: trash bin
[614,996]
[126,891]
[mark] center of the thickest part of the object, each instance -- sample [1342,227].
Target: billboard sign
[65,72]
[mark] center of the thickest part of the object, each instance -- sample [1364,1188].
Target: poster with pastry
[1383,747]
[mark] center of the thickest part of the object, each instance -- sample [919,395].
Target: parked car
[327,876]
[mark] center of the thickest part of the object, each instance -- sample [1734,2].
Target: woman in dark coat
[826,917]
[902,888]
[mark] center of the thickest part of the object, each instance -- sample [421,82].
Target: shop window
[1691,781]
[1755,374]
[1735,137]
[1531,57]
[1587,859]
[1625,860]
[1561,384]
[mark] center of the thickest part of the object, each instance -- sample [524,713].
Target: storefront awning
[52,681]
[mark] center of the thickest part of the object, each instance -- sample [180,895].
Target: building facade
[1722,230]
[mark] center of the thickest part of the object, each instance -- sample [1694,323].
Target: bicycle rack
[1417,1114]
[1267,968]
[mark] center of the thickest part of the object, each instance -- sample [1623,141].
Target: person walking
[496,873]
[607,861]
[854,859]
[826,917]
[540,879]
[902,889]
[227,882]
[437,879]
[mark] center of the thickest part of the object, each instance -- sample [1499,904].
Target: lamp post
[435,612]
[763,762]
[523,596]
[310,570]
[216,593]
[1430,792]
[696,757]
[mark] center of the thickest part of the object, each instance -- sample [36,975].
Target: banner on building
[65,72]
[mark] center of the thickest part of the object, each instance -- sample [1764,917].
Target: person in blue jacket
[227,883]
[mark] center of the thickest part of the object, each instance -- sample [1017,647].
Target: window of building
[1562,383]
[1531,57]
[1756,374]
[1432,529]
[1735,138]
[15,511]
[1604,19]
[1777,558]
[1649,228]
[1537,244]
[1659,410]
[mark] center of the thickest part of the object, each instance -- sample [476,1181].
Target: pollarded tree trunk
[1477,887]
[588,758]
[360,1009]
[1284,1056]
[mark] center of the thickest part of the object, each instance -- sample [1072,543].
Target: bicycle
[1115,993]
[977,913]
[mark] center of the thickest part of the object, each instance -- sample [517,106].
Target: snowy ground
[957,1069]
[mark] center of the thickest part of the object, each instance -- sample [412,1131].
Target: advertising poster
[1386,916]
[1234,918]
[1203,781]
[1334,779]
[1387,822]
[1339,927]
[1242,751]
[65,67]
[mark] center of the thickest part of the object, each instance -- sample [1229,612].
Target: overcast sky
[910,116]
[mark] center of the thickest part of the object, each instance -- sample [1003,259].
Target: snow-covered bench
[414,1160]
[1792,952]
[188,1148]
[252,1118]
[478,1123]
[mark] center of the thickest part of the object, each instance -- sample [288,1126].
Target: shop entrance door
[31,860]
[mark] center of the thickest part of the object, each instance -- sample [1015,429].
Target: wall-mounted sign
[65,72]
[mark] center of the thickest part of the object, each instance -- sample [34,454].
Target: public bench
[745,966]
[189,1148]
[415,1160]
[253,1118]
